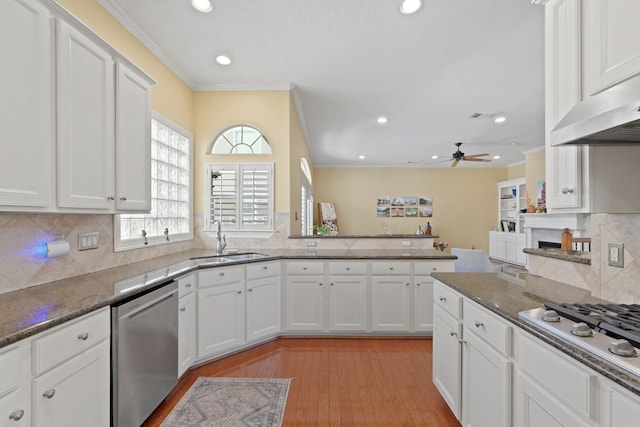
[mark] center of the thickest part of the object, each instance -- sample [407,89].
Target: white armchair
[472,260]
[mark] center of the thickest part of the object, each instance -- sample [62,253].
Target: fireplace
[544,229]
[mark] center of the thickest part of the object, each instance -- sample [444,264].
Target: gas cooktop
[610,331]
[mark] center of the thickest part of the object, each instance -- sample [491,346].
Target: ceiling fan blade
[455,163]
[473,159]
[476,155]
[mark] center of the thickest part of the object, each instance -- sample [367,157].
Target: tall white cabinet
[507,242]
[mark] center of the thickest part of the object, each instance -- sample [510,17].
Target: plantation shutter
[224,196]
[255,195]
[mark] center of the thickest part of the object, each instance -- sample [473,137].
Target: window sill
[242,234]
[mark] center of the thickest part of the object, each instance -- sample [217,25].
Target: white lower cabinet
[263,308]
[305,302]
[75,393]
[15,385]
[348,302]
[187,350]
[391,296]
[423,292]
[471,364]
[220,310]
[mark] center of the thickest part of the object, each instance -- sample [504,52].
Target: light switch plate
[616,255]
[87,241]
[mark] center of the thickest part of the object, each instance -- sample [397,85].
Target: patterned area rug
[231,402]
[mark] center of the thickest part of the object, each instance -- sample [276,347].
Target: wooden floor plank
[337,382]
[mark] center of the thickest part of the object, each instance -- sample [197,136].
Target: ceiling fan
[459,155]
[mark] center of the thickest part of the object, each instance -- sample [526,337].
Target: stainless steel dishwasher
[144,354]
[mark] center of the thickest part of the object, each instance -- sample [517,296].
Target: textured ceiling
[349,61]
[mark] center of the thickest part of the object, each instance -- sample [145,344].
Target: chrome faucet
[222,240]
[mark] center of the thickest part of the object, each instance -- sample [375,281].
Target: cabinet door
[76,393]
[521,244]
[512,254]
[563,91]
[85,117]
[133,140]
[612,42]
[26,108]
[305,303]
[186,332]
[263,307]
[486,384]
[493,245]
[220,318]
[423,304]
[501,244]
[348,302]
[15,386]
[447,359]
[534,406]
[391,303]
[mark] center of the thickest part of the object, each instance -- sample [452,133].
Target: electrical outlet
[406,243]
[616,254]
[312,244]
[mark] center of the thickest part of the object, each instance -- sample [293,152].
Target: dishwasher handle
[137,308]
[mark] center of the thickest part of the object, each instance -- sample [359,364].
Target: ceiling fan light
[434,157]
[496,157]
[202,5]
[500,119]
[407,7]
[382,120]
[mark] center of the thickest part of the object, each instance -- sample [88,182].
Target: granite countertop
[507,295]
[29,311]
[562,254]
[367,236]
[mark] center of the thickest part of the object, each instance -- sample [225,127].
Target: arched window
[241,139]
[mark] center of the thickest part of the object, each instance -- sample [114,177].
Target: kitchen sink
[221,259]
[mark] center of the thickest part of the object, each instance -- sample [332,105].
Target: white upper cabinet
[133,139]
[26,85]
[85,121]
[77,117]
[611,43]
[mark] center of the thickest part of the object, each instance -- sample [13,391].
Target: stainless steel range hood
[609,117]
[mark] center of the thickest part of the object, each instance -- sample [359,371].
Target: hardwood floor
[338,382]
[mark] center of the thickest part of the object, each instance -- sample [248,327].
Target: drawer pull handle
[320,283]
[443,299]
[250,289]
[111,198]
[406,284]
[566,190]
[49,393]
[265,267]
[221,273]
[348,268]
[183,308]
[238,292]
[453,334]
[331,284]
[124,199]
[435,268]
[16,415]
[83,336]
[391,268]
[417,284]
[304,268]
[188,285]
[478,324]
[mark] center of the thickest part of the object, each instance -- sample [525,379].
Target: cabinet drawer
[219,276]
[187,284]
[448,299]
[305,267]
[428,267]
[263,269]
[489,327]
[73,338]
[561,377]
[390,267]
[347,267]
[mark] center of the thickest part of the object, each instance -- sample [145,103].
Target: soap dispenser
[419,231]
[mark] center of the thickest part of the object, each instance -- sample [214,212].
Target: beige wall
[535,172]
[516,171]
[465,205]
[297,150]
[171,97]
[267,111]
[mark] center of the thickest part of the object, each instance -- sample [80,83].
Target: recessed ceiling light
[434,157]
[202,5]
[223,60]
[410,6]
[361,156]
[496,157]
[500,119]
[382,120]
